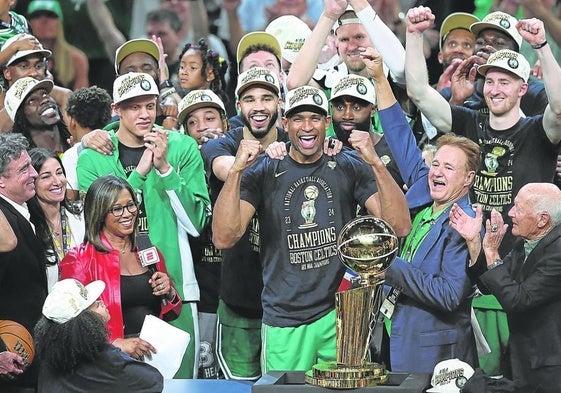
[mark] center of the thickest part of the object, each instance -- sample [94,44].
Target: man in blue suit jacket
[431,318]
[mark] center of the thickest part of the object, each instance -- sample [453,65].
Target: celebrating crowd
[201,170]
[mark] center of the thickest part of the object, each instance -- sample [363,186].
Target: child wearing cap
[72,347]
[12,24]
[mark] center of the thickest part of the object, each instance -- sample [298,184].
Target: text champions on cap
[127,84]
[346,83]
[198,96]
[257,73]
[21,87]
[302,93]
[498,56]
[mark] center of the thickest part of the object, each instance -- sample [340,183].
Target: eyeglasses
[118,210]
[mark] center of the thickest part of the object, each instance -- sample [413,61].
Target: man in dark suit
[23,281]
[526,282]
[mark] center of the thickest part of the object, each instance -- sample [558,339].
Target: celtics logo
[206,98]
[505,23]
[461,381]
[512,63]
[361,88]
[317,99]
[269,78]
[145,85]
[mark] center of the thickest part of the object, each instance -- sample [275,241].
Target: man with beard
[353,103]
[239,310]
[36,115]
[302,202]
[356,27]
[259,49]
[457,43]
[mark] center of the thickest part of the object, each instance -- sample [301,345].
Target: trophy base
[293,382]
[340,376]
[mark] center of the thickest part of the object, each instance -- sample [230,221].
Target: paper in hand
[170,343]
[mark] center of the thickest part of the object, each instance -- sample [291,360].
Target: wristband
[168,93]
[538,46]
[166,84]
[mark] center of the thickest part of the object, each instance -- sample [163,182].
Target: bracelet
[538,46]
[172,298]
[166,94]
[165,84]
[498,262]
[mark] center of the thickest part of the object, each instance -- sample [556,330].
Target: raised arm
[389,202]
[398,134]
[306,62]
[533,31]
[231,214]
[234,26]
[550,20]
[384,40]
[105,27]
[427,99]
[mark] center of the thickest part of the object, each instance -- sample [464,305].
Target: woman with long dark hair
[58,222]
[110,253]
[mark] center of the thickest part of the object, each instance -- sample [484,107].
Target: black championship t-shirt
[510,159]
[302,208]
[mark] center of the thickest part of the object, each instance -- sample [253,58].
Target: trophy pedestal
[294,382]
[340,376]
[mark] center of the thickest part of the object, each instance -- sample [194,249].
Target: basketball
[18,340]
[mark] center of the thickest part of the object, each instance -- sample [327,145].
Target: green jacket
[176,205]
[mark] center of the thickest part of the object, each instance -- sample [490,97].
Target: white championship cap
[355,86]
[23,53]
[69,297]
[196,99]
[257,76]
[499,21]
[305,96]
[19,91]
[507,60]
[133,84]
[450,376]
[291,32]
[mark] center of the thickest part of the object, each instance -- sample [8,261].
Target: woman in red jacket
[109,253]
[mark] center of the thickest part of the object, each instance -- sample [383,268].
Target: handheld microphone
[149,256]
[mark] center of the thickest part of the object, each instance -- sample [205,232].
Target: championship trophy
[367,245]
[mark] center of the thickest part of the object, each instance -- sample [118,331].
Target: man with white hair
[526,281]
